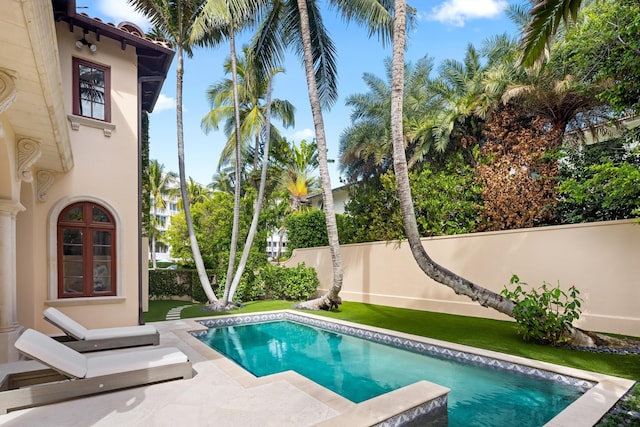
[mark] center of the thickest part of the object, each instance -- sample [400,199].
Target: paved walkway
[174,313]
[220,394]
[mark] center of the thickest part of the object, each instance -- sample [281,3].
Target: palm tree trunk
[195,249]
[331,298]
[236,200]
[258,207]
[435,271]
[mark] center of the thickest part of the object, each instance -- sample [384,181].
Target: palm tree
[366,148]
[218,19]
[173,21]
[299,24]
[432,269]
[546,16]
[258,206]
[297,165]
[222,181]
[161,186]
[461,102]
[440,274]
[197,193]
[252,94]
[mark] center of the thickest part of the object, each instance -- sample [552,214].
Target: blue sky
[443,31]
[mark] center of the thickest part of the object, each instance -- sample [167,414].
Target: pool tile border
[433,406]
[405,343]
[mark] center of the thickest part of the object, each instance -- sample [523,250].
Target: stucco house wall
[106,171]
[50,158]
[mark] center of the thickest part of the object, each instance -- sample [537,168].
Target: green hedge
[293,284]
[265,282]
[165,284]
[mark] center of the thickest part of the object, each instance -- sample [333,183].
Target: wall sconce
[83,42]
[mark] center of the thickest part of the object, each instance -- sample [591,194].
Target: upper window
[91,90]
[86,251]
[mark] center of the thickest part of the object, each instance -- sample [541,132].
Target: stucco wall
[106,172]
[601,259]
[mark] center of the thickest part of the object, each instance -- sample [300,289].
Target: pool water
[359,369]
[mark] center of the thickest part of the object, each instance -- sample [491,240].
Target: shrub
[306,230]
[164,284]
[259,281]
[309,230]
[289,283]
[543,314]
[250,288]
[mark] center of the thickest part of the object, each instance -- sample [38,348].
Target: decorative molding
[76,121]
[11,207]
[28,153]
[8,90]
[44,180]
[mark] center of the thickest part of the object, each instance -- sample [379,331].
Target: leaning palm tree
[161,186]
[258,205]
[173,21]
[438,273]
[298,23]
[431,268]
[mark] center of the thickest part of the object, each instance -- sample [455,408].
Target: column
[9,328]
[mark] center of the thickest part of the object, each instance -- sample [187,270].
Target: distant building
[340,199]
[276,244]
[163,220]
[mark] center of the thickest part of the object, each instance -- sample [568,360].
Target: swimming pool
[363,364]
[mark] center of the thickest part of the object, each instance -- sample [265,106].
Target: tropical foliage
[600,182]
[544,314]
[603,48]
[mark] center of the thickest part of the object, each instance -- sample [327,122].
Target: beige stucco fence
[601,259]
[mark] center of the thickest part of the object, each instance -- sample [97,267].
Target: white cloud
[457,12]
[164,103]
[306,133]
[121,10]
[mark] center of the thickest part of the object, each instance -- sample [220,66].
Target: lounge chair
[82,339]
[73,374]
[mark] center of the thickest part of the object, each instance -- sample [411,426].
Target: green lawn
[483,333]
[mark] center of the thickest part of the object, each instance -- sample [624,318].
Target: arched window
[86,251]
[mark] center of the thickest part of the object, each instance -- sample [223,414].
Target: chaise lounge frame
[38,386]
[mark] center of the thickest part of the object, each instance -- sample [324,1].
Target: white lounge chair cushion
[120,332]
[134,360]
[65,323]
[79,332]
[73,364]
[44,349]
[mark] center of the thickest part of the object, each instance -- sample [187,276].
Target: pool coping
[604,391]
